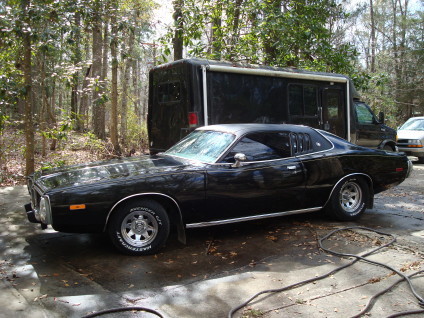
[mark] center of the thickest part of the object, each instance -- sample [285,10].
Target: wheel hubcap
[350,197]
[139,228]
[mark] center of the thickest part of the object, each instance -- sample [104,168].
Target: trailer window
[310,100]
[169,92]
[303,100]
[295,100]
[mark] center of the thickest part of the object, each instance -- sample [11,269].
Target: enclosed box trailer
[190,93]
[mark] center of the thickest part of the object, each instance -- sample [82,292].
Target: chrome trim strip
[276,73]
[205,96]
[348,107]
[140,195]
[249,218]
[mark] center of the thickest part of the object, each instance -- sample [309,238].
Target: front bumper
[410,168]
[33,217]
[31,214]
[410,151]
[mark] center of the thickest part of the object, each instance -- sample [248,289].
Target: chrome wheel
[139,228]
[350,197]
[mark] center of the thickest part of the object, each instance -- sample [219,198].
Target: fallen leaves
[40,297]
[374,280]
[272,238]
[411,266]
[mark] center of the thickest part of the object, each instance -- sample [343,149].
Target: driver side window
[363,113]
[262,146]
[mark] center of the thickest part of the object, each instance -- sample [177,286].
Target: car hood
[96,172]
[410,134]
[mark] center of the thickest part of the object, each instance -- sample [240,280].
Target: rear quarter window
[319,142]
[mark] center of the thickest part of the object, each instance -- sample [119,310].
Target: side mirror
[381,117]
[239,158]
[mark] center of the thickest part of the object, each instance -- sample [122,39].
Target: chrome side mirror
[239,158]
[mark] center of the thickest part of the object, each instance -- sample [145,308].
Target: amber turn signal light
[77,207]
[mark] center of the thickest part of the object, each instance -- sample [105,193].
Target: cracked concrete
[50,274]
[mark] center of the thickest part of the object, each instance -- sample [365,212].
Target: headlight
[45,210]
[414,141]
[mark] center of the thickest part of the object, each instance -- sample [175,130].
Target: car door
[369,131]
[270,180]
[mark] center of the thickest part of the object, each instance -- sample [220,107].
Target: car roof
[242,129]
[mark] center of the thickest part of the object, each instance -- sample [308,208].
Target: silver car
[411,138]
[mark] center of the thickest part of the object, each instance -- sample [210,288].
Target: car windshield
[202,145]
[415,124]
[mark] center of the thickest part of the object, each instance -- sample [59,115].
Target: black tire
[139,227]
[420,159]
[348,200]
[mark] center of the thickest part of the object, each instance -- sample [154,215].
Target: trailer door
[333,111]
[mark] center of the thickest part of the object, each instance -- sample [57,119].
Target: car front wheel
[139,227]
[348,200]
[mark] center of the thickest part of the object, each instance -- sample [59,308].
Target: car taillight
[399,169]
[193,119]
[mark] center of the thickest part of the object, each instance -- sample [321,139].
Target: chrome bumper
[410,168]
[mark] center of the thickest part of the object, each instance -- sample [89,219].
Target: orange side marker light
[77,207]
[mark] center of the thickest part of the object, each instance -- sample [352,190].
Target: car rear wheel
[348,200]
[139,227]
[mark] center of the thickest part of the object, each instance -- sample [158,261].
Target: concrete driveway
[50,274]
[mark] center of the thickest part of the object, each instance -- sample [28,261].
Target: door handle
[291,167]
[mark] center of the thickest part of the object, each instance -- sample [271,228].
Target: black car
[216,175]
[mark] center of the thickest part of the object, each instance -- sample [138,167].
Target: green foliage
[94,144]
[60,131]
[290,33]
[54,164]
[3,122]
[395,84]
[136,132]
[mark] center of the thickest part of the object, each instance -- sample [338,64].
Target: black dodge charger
[216,175]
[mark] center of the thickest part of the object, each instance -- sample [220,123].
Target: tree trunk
[373,38]
[235,28]
[29,129]
[125,86]
[82,120]
[76,57]
[96,69]
[105,54]
[114,107]
[178,34]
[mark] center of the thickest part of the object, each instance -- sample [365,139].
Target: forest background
[74,73]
